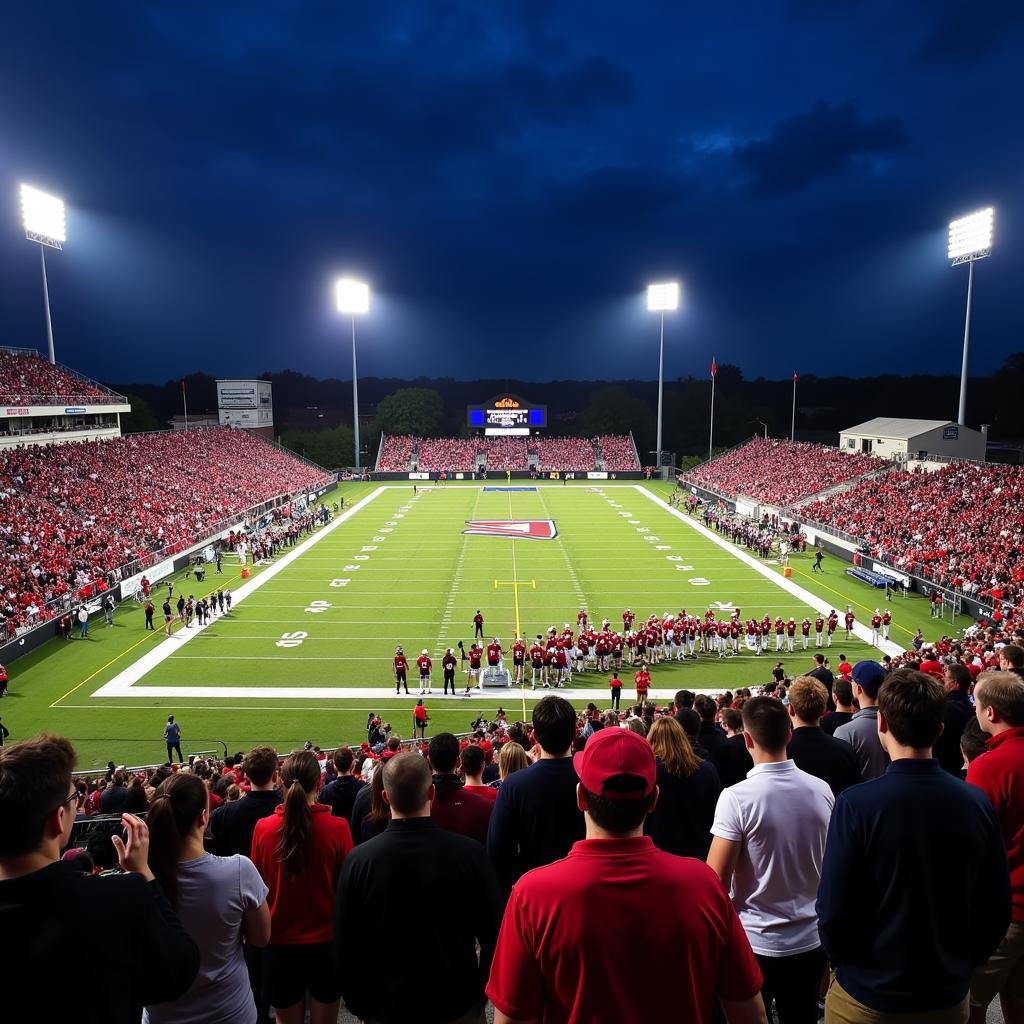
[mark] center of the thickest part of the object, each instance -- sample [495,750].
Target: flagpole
[792,422]
[184,402]
[711,430]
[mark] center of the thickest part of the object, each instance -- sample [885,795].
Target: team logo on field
[528,529]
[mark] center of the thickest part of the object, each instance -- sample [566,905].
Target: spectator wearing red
[555,960]
[473,763]
[454,808]
[999,702]
[299,851]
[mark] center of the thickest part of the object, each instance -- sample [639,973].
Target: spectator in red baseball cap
[554,959]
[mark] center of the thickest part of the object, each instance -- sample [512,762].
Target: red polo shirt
[302,907]
[571,959]
[1000,773]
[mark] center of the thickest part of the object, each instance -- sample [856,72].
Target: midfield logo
[527,529]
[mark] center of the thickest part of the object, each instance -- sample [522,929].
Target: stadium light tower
[353,298]
[970,239]
[43,217]
[662,298]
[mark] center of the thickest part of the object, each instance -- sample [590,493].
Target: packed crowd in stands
[961,525]
[779,472]
[573,454]
[395,453]
[618,453]
[74,513]
[30,380]
[859,835]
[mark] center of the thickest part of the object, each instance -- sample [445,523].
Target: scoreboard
[507,415]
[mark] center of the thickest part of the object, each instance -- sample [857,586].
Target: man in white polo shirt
[769,840]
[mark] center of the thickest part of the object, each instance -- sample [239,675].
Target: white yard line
[811,600]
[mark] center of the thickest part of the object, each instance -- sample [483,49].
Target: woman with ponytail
[299,850]
[218,899]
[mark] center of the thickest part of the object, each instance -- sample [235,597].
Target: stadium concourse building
[900,440]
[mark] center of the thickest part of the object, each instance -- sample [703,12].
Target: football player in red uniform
[848,619]
[805,630]
[876,625]
[494,653]
[537,664]
[400,668]
[780,629]
[518,660]
[790,634]
[833,623]
[886,622]
[819,628]
[476,654]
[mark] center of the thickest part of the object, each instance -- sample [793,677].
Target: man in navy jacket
[901,938]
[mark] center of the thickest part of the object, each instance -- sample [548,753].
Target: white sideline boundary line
[122,684]
[860,631]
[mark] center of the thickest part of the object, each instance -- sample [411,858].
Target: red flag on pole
[183,386]
[714,366]
[795,378]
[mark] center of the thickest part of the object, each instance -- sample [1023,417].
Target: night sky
[509,176]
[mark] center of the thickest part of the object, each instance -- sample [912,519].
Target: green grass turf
[419,587]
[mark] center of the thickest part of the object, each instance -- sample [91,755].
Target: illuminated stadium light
[970,237]
[43,217]
[353,296]
[353,299]
[663,298]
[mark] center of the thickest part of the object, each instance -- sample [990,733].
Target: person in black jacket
[813,750]
[51,913]
[688,791]
[340,794]
[959,711]
[416,866]
[731,762]
[233,823]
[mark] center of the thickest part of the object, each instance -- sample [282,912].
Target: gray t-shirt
[213,895]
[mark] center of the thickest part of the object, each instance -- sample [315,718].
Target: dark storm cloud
[960,33]
[818,144]
[504,173]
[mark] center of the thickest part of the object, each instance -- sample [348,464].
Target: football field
[305,652]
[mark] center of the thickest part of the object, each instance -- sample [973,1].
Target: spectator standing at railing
[51,913]
[218,899]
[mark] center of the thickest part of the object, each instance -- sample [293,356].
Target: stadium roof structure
[895,427]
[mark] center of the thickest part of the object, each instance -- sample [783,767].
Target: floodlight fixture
[970,237]
[663,297]
[353,297]
[43,217]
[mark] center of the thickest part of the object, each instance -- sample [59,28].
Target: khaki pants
[842,1008]
[1004,971]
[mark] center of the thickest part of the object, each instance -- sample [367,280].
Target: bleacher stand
[961,525]
[74,512]
[396,453]
[618,453]
[779,472]
[438,453]
[30,380]
[575,454]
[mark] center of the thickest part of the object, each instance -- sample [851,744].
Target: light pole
[662,298]
[763,424]
[43,217]
[970,239]
[353,298]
